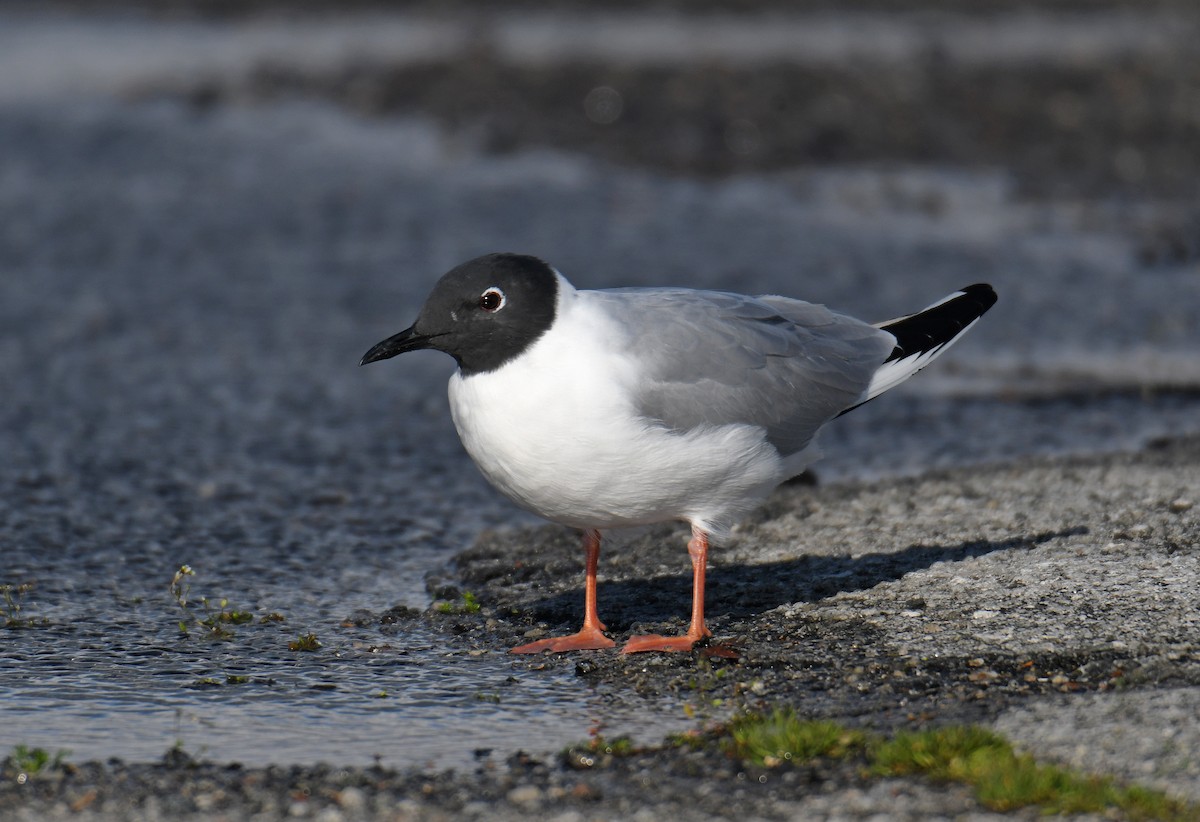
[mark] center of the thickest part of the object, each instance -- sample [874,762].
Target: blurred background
[210,208]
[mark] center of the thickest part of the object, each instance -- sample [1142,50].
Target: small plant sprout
[10,609]
[305,642]
[217,615]
[29,762]
[469,604]
[597,751]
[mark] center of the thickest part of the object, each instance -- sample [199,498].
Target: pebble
[352,799]
[525,795]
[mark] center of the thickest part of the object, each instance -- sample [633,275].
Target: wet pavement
[189,276]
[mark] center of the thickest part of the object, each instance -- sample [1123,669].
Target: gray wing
[716,358]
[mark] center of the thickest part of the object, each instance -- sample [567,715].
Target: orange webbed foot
[587,639]
[655,642]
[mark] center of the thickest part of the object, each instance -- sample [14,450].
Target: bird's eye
[492,300]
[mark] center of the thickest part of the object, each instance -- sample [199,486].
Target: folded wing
[715,358]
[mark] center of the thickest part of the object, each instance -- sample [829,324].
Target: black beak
[406,340]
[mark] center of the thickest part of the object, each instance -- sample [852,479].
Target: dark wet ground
[1124,127]
[189,274]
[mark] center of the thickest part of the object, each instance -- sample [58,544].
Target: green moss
[617,746]
[782,736]
[693,740]
[942,753]
[1005,780]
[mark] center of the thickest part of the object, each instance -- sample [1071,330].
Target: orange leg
[698,550]
[591,636]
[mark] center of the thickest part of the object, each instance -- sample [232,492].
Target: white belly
[543,430]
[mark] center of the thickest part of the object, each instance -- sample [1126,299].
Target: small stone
[205,801]
[1140,531]
[1180,505]
[352,799]
[985,614]
[525,795]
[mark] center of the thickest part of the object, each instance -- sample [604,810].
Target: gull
[602,409]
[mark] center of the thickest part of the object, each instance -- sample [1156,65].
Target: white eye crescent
[492,300]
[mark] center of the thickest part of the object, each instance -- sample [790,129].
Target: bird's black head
[483,313]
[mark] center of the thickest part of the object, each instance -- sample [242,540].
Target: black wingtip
[941,322]
[983,293]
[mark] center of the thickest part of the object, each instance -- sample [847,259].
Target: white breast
[556,431]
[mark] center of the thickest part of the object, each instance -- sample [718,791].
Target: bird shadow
[745,590]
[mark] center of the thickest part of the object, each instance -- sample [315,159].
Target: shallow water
[406,702]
